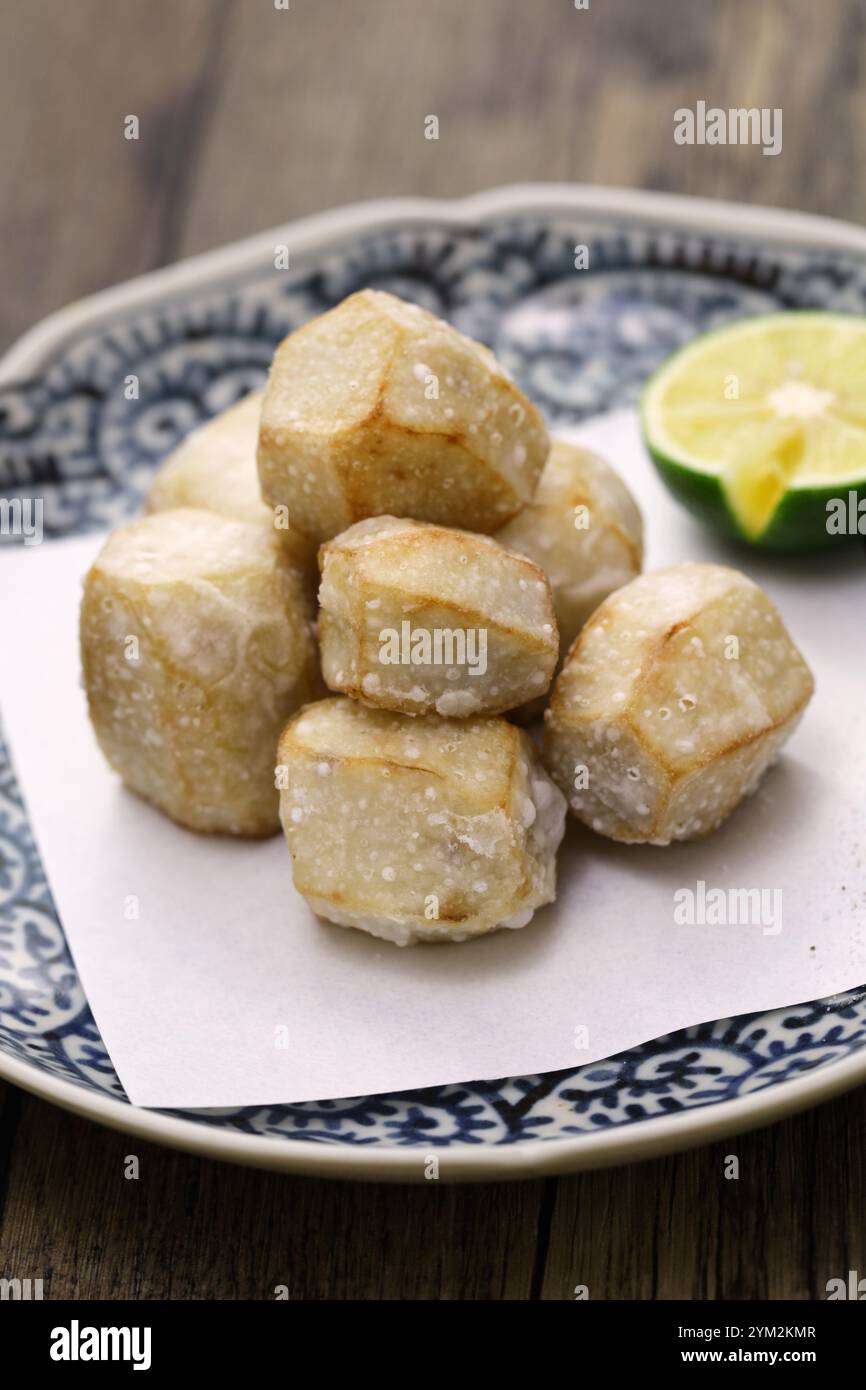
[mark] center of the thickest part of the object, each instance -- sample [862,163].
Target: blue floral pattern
[86,437]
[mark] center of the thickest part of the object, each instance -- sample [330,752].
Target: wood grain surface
[251,116]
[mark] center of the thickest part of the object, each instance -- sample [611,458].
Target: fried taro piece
[379,408]
[417,829]
[676,697]
[197,645]
[420,618]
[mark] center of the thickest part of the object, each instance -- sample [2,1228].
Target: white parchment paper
[227,991]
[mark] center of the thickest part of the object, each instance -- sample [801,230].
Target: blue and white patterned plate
[502,267]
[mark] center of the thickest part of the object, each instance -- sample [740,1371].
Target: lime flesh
[760,427]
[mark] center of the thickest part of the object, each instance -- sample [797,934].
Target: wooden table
[250,116]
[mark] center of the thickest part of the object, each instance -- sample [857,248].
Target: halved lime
[760,427]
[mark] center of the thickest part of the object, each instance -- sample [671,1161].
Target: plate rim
[724,217]
[459,1161]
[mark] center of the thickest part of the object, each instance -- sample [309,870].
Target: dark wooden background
[249,117]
